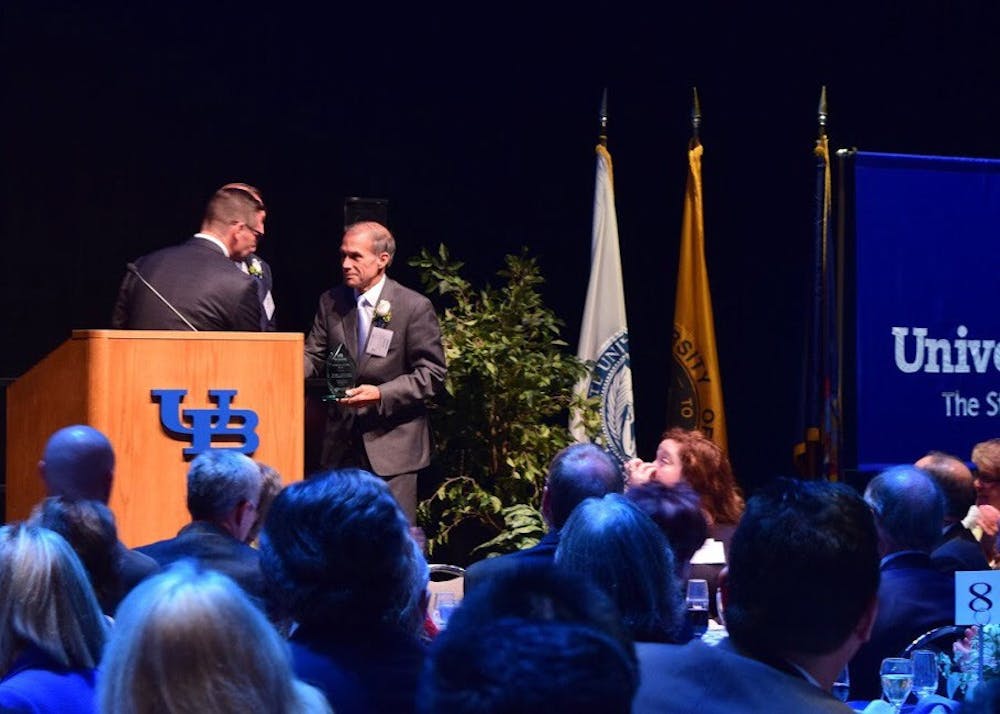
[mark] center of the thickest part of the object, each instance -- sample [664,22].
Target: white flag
[604,334]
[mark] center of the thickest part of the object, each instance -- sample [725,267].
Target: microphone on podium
[131,267]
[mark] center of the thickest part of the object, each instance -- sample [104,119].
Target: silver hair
[189,641]
[217,481]
[46,600]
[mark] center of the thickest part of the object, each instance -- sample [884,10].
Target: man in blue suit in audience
[223,494]
[913,596]
[576,473]
[956,548]
[799,600]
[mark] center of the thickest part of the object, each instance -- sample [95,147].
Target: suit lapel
[386,294]
[347,312]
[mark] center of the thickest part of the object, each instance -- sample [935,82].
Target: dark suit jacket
[394,432]
[695,677]
[913,598]
[213,549]
[264,283]
[372,670]
[958,549]
[541,555]
[203,285]
[131,568]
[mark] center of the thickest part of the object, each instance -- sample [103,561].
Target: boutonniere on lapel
[383,313]
[254,267]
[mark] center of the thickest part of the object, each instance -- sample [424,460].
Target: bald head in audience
[78,462]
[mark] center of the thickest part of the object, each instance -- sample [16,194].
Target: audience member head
[271,486]
[89,528]
[223,487]
[983,698]
[616,546]
[78,462]
[706,467]
[337,548]
[955,481]
[189,641]
[531,641]
[986,457]
[803,574]
[235,215]
[46,601]
[908,508]
[576,473]
[676,510]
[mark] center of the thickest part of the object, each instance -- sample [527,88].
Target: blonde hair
[46,600]
[188,641]
[986,457]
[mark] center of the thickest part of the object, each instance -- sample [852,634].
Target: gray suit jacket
[395,432]
[203,285]
[720,680]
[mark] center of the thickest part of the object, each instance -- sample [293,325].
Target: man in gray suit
[198,285]
[799,601]
[392,335]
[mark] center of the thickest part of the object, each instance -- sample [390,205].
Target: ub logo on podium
[208,425]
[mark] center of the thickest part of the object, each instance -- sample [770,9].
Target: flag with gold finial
[694,399]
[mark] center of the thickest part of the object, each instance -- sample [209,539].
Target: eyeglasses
[256,233]
[986,481]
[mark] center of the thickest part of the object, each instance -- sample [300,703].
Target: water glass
[842,685]
[925,673]
[697,606]
[897,680]
[444,606]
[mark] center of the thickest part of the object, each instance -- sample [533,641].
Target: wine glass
[897,680]
[925,674]
[697,606]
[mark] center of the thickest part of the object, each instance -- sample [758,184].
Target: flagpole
[602,137]
[695,116]
[821,118]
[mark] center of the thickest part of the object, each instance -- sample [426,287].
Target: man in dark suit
[913,596]
[79,463]
[339,561]
[199,279]
[223,493]
[257,268]
[799,600]
[956,548]
[392,335]
[576,473]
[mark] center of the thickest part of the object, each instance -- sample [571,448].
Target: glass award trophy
[341,373]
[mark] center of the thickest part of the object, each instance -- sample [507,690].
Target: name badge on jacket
[378,342]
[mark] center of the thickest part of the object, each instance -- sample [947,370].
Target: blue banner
[927,317]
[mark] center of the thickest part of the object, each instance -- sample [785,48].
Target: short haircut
[533,640]
[382,240]
[89,528]
[986,457]
[803,568]
[955,481]
[79,461]
[271,486]
[218,481]
[188,641]
[231,205]
[908,507]
[676,510]
[254,192]
[616,546]
[579,472]
[46,600]
[706,467]
[337,546]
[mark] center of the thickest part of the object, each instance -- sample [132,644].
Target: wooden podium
[106,378]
